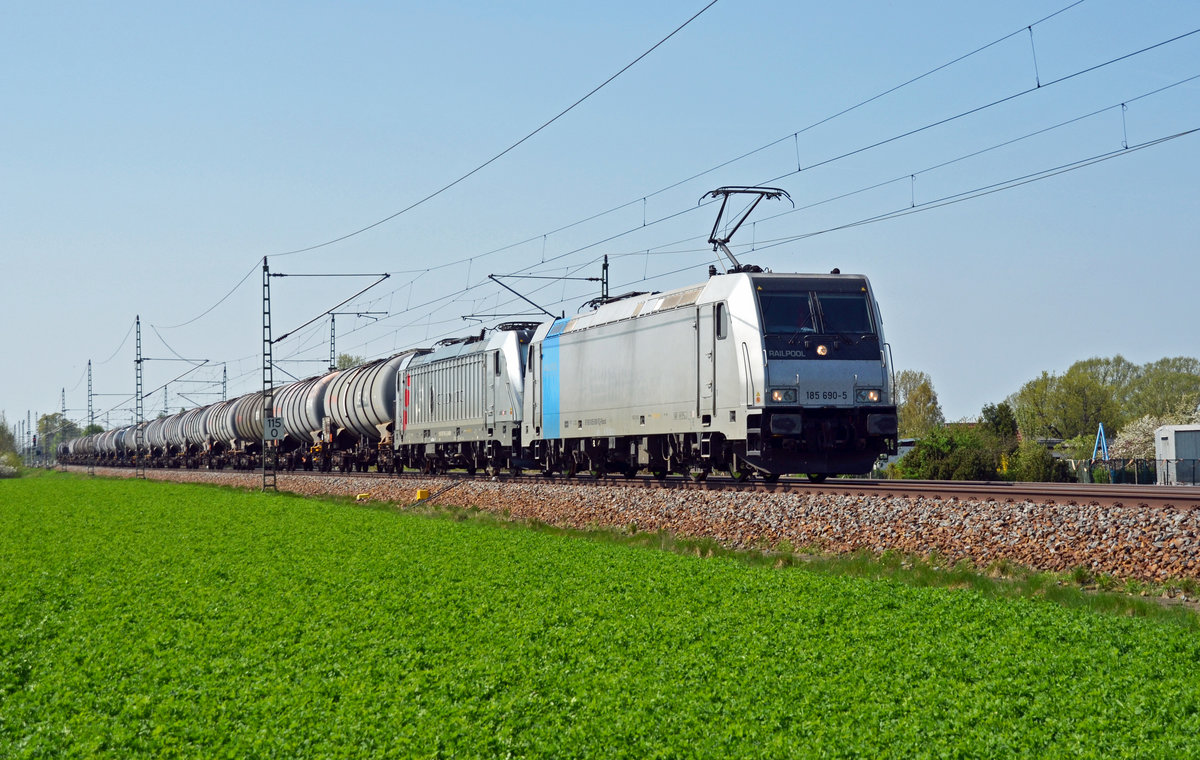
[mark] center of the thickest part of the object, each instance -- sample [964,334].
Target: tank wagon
[360,424]
[302,407]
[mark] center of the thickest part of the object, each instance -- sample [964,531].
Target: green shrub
[1033,463]
[10,465]
[948,454]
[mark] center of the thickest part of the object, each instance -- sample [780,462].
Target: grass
[141,618]
[1002,579]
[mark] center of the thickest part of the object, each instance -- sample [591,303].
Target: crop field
[142,618]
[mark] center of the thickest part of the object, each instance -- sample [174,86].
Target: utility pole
[333,331]
[91,419]
[62,424]
[268,379]
[139,435]
[272,426]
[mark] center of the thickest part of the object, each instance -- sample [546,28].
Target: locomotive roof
[717,288]
[492,340]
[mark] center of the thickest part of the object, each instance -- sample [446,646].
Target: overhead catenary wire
[850,109]
[987,189]
[743,156]
[846,154]
[454,296]
[507,150]
[930,205]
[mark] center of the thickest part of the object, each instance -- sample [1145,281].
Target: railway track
[1066,494]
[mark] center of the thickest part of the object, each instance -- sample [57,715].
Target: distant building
[1177,451]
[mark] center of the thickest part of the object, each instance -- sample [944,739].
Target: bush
[10,465]
[1033,463]
[947,454]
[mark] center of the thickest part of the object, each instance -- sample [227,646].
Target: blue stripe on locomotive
[551,417]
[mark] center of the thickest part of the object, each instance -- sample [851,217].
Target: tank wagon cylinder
[220,422]
[302,407]
[87,445]
[129,438]
[362,400]
[248,417]
[195,431]
[106,444]
[175,434]
[173,431]
[156,438]
[125,440]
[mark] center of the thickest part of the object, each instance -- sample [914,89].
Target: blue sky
[153,153]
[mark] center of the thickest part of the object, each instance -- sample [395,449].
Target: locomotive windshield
[845,312]
[818,311]
[787,313]
[817,318]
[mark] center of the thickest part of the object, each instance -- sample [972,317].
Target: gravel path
[1125,542]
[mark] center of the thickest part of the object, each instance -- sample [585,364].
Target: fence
[1138,471]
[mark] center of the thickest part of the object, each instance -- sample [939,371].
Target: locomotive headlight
[867,395]
[822,350]
[784,395]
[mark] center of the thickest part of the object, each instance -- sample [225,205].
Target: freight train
[746,373]
[749,372]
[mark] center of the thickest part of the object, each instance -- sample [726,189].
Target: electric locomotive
[751,372]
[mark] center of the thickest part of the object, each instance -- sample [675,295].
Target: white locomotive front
[750,371]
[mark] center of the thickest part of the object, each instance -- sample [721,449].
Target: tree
[1101,390]
[346,361]
[917,404]
[1161,385]
[54,429]
[1080,402]
[999,423]
[1031,406]
[8,439]
[1136,439]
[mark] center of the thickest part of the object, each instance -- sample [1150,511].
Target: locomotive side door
[534,373]
[491,378]
[705,361]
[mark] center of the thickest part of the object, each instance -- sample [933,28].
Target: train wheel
[659,474]
[630,472]
[817,477]
[771,477]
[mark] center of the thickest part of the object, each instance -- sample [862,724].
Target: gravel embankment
[1126,542]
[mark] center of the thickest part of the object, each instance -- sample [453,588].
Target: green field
[140,618]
